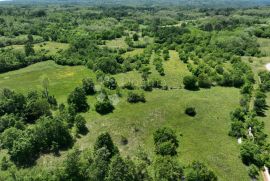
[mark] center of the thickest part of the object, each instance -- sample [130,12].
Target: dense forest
[134,92]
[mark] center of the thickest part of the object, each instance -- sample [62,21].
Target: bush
[78,99]
[190,82]
[134,97]
[129,86]
[88,86]
[104,107]
[253,171]
[198,171]
[190,111]
[166,142]
[110,83]
[80,124]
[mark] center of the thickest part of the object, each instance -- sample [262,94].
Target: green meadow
[204,137]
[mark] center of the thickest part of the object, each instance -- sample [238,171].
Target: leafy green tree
[167,168]
[10,120]
[166,142]
[110,83]
[51,130]
[78,99]
[120,170]
[135,37]
[29,49]
[250,153]
[190,82]
[72,165]
[105,140]
[135,98]
[9,136]
[37,108]
[100,165]
[23,151]
[88,86]
[80,124]
[198,171]
[4,164]
[204,81]
[253,171]
[104,107]
[11,102]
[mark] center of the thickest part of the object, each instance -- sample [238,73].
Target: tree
[10,120]
[23,151]
[78,99]
[9,136]
[105,140]
[72,165]
[37,108]
[135,98]
[253,171]
[166,142]
[88,86]
[80,124]
[250,152]
[135,37]
[4,164]
[120,170]
[204,81]
[260,103]
[29,49]
[100,165]
[110,83]
[190,82]
[104,107]
[167,168]
[198,171]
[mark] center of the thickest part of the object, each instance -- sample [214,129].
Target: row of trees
[105,162]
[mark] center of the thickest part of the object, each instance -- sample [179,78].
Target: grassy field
[49,47]
[204,137]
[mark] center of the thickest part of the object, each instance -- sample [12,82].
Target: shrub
[129,86]
[80,124]
[190,111]
[104,107]
[110,83]
[166,142]
[134,97]
[88,86]
[190,82]
[78,99]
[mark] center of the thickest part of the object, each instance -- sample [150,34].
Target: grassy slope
[204,137]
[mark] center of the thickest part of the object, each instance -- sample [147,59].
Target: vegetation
[142,69]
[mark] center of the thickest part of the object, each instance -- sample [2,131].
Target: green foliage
[80,124]
[104,140]
[121,170]
[88,86]
[78,99]
[135,98]
[253,171]
[104,107]
[198,171]
[110,83]
[167,168]
[190,82]
[166,142]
